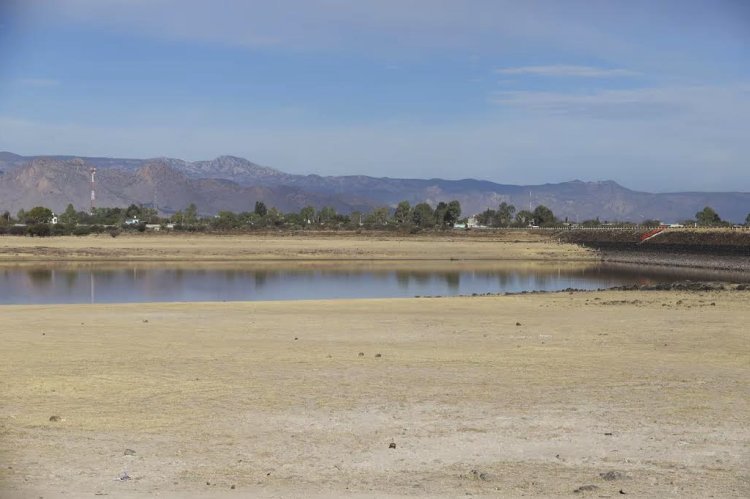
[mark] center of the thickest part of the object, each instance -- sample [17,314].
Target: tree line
[506,216]
[37,221]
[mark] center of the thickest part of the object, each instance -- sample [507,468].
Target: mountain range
[232,183]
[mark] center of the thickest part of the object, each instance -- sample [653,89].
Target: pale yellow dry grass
[311,246]
[275,399]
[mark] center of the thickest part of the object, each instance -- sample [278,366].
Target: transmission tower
[93,189]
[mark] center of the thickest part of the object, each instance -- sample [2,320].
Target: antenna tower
[93,190]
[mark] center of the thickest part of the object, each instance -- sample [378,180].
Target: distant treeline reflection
[146,283]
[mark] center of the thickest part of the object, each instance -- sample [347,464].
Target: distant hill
[231,183]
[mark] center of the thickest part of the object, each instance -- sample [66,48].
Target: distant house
[54,219]
[471,223]
[132,221]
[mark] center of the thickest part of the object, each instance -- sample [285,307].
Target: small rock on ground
[613,475]
[585,488]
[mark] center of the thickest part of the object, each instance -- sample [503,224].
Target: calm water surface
[108,283]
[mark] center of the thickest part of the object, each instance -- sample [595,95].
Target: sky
[652,94]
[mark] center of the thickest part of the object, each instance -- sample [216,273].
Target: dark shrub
[39,230]
[82,230]
[60,230]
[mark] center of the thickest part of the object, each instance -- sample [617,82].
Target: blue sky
[654,95]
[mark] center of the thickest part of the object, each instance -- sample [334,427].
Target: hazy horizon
[653,96]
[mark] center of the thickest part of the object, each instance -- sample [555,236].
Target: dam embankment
[723,249]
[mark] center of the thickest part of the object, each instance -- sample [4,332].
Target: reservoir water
[165,282]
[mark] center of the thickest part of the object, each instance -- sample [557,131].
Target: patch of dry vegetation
[516,245]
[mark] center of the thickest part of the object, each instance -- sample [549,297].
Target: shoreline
[678,260]
[512,246]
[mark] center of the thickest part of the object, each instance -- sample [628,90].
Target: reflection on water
[111,283]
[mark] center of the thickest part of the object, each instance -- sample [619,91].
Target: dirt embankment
[724,249]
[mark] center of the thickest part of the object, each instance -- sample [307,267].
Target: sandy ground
[292,399]
[312,246]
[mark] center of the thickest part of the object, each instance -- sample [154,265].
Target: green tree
[327,214]
[524,218]
[452,213]
[107,216]
[39,215]
[5,218]
[149,215]
[505,214]
[39,230]
[378,216]
[594,222]
[355,219]
[402,214]
[487,217]
[308,214]
[544,216]
[747,219]
[191,214]
[69,216]
[708,217]
[423,216]
[225,220]
[133,211]
[274,217]
[21,216]
[439,213]
[260,209]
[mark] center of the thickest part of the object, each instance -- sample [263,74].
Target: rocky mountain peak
[229,182]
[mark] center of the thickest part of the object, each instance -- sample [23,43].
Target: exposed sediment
[527,395]
[710,249]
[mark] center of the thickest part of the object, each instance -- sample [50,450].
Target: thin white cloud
[694,102]
[401,29]
[563,70]
[38,82]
